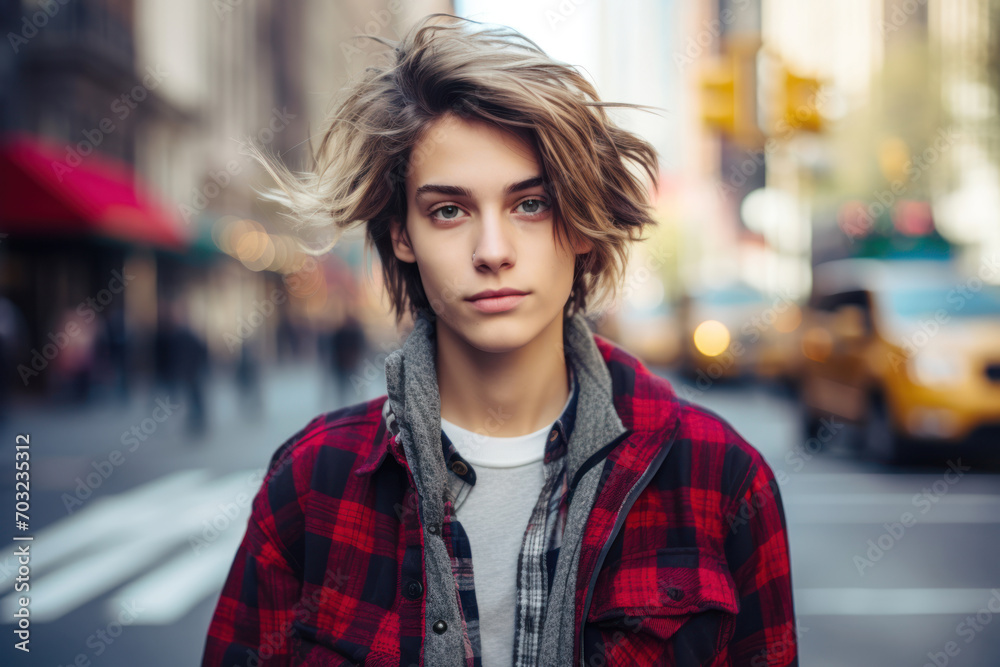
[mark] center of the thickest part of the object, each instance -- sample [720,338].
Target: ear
[583,246]
[401,242]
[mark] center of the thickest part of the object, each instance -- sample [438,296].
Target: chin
[498,344]
[496,333]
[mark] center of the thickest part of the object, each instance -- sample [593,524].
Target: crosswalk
[164,547]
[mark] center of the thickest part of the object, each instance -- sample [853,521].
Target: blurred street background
[825,275]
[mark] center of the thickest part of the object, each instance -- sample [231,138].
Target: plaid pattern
[684,558]
[539,551]
[537,563]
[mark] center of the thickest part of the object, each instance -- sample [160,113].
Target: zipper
[592,460]
[630,499]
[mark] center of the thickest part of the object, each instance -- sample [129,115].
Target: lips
[491,293]
[496,301]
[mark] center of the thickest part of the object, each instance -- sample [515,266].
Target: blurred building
[724,149]
[856,128]
[73,111]
[965,42]
[143,108]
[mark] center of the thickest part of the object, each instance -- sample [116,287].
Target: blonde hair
[492,74]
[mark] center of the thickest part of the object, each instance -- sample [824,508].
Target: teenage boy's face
[478,189]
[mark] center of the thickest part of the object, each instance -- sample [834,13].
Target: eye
[448,212]
[533,206]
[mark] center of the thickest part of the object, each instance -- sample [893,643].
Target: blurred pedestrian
[248,381]
[182,357]
[12,336]
[345,348]
[116,342]
[73,367]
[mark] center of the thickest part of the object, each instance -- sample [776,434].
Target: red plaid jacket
[684,558]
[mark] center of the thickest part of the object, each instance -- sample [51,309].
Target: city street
[215,213]
[890,567]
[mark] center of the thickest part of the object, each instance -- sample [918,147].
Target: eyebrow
[459,191]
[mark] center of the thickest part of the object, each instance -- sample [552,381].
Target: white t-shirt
[495,513]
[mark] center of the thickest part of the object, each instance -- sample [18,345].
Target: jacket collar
[623,395]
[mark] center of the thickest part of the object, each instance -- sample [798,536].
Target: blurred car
[650,333]
[738,331]
[652,336]
[908,350]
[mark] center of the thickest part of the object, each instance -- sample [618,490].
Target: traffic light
[728,86]
[802,97]
[718,95]
[790,103]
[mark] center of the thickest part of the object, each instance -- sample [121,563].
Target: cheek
[430,276]
[426,255]
[562,261]
[441,277]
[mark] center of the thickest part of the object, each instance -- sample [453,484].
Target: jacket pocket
[672,602]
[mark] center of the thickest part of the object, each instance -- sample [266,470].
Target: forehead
[471,153]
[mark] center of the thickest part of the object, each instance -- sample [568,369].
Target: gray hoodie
[415,403]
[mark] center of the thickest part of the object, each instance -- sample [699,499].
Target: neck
[502,394]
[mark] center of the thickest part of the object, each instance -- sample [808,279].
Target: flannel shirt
[684,559]
[539,550]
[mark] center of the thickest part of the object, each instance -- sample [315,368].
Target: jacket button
[675,593]
[433,529]
[439,626]
[413,589]
[459,468]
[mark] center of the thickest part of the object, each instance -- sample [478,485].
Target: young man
[527,493]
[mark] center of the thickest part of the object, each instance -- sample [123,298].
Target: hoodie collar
[412,410]
[556,442]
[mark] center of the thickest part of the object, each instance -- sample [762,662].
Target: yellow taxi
[907,350]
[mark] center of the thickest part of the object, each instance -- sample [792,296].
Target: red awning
[42,193]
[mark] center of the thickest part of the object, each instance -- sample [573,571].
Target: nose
[494,247]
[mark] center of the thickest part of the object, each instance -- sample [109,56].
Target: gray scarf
[411,380]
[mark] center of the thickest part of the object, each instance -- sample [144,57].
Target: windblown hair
[486,73]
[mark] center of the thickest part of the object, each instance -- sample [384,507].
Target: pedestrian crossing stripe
[122,540]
